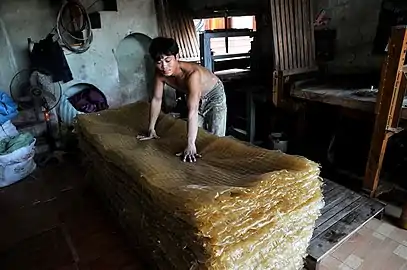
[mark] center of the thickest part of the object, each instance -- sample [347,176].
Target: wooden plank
[333,198]
[185,26]
[251,117]
[277,19]
[343,228]
[331,183]
[169,30]
[312,35]
[276,44]
[296,34]
[306,28]
[395,114]
[300,32]
[174,21]
[403,217]
[338,97]
[336,201]
[293,44]
[293,33]
[299,70]
[333,97]
[284,35]
[336,213]
[332,190]
[327,186]
[174,24]
[192,37]
[278,88]
[388,98]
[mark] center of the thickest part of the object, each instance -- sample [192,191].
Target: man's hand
[189,154]
[151,135]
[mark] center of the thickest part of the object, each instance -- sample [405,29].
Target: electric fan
[32,89]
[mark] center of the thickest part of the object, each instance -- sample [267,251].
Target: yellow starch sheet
[226,162]
[236,199]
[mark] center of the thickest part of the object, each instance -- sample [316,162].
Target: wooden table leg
[251,117]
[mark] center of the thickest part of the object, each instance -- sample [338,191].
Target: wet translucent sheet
[239,207]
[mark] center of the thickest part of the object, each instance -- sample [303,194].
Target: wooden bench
[344,213]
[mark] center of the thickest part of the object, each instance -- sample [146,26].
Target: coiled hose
[84,43]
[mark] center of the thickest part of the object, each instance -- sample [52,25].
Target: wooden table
[344,213]
[338,96]
[233,74]
[253,92]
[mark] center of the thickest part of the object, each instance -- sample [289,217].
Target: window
[231,45]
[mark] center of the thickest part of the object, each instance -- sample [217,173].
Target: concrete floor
[379,245]
[51,221]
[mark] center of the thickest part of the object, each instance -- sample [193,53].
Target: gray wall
[22,19]
[356,23]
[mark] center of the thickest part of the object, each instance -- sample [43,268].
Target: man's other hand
[151,135]
[189,154]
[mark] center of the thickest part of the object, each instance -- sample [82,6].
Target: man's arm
[156,101]
[193,106]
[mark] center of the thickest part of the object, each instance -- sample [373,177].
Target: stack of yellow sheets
[238,207]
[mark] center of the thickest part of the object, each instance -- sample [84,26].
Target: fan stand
[38,95]
[53,154]
[45,108]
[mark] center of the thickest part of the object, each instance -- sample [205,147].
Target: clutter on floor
[11,144]
[17,150]
[8,109]
[81,98]
[238,207]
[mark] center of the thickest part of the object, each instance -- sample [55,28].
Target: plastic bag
[17,165]
[8,130]
[8,108]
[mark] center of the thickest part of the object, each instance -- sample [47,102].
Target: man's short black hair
[163,46]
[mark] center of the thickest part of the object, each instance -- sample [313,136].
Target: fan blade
[33,79]
[49,96]
[24,99]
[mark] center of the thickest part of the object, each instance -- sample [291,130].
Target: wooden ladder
[388,105]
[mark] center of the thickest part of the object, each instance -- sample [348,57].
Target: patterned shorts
[213,110]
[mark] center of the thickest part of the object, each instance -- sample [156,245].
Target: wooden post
[388,106]
[205,49]
[403,217]
[278,88]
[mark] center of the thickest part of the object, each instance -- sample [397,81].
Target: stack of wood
[239,207]
[176,21]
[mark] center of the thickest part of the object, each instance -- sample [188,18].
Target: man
[206,99]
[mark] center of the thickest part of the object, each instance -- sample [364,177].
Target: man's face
[167,64]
